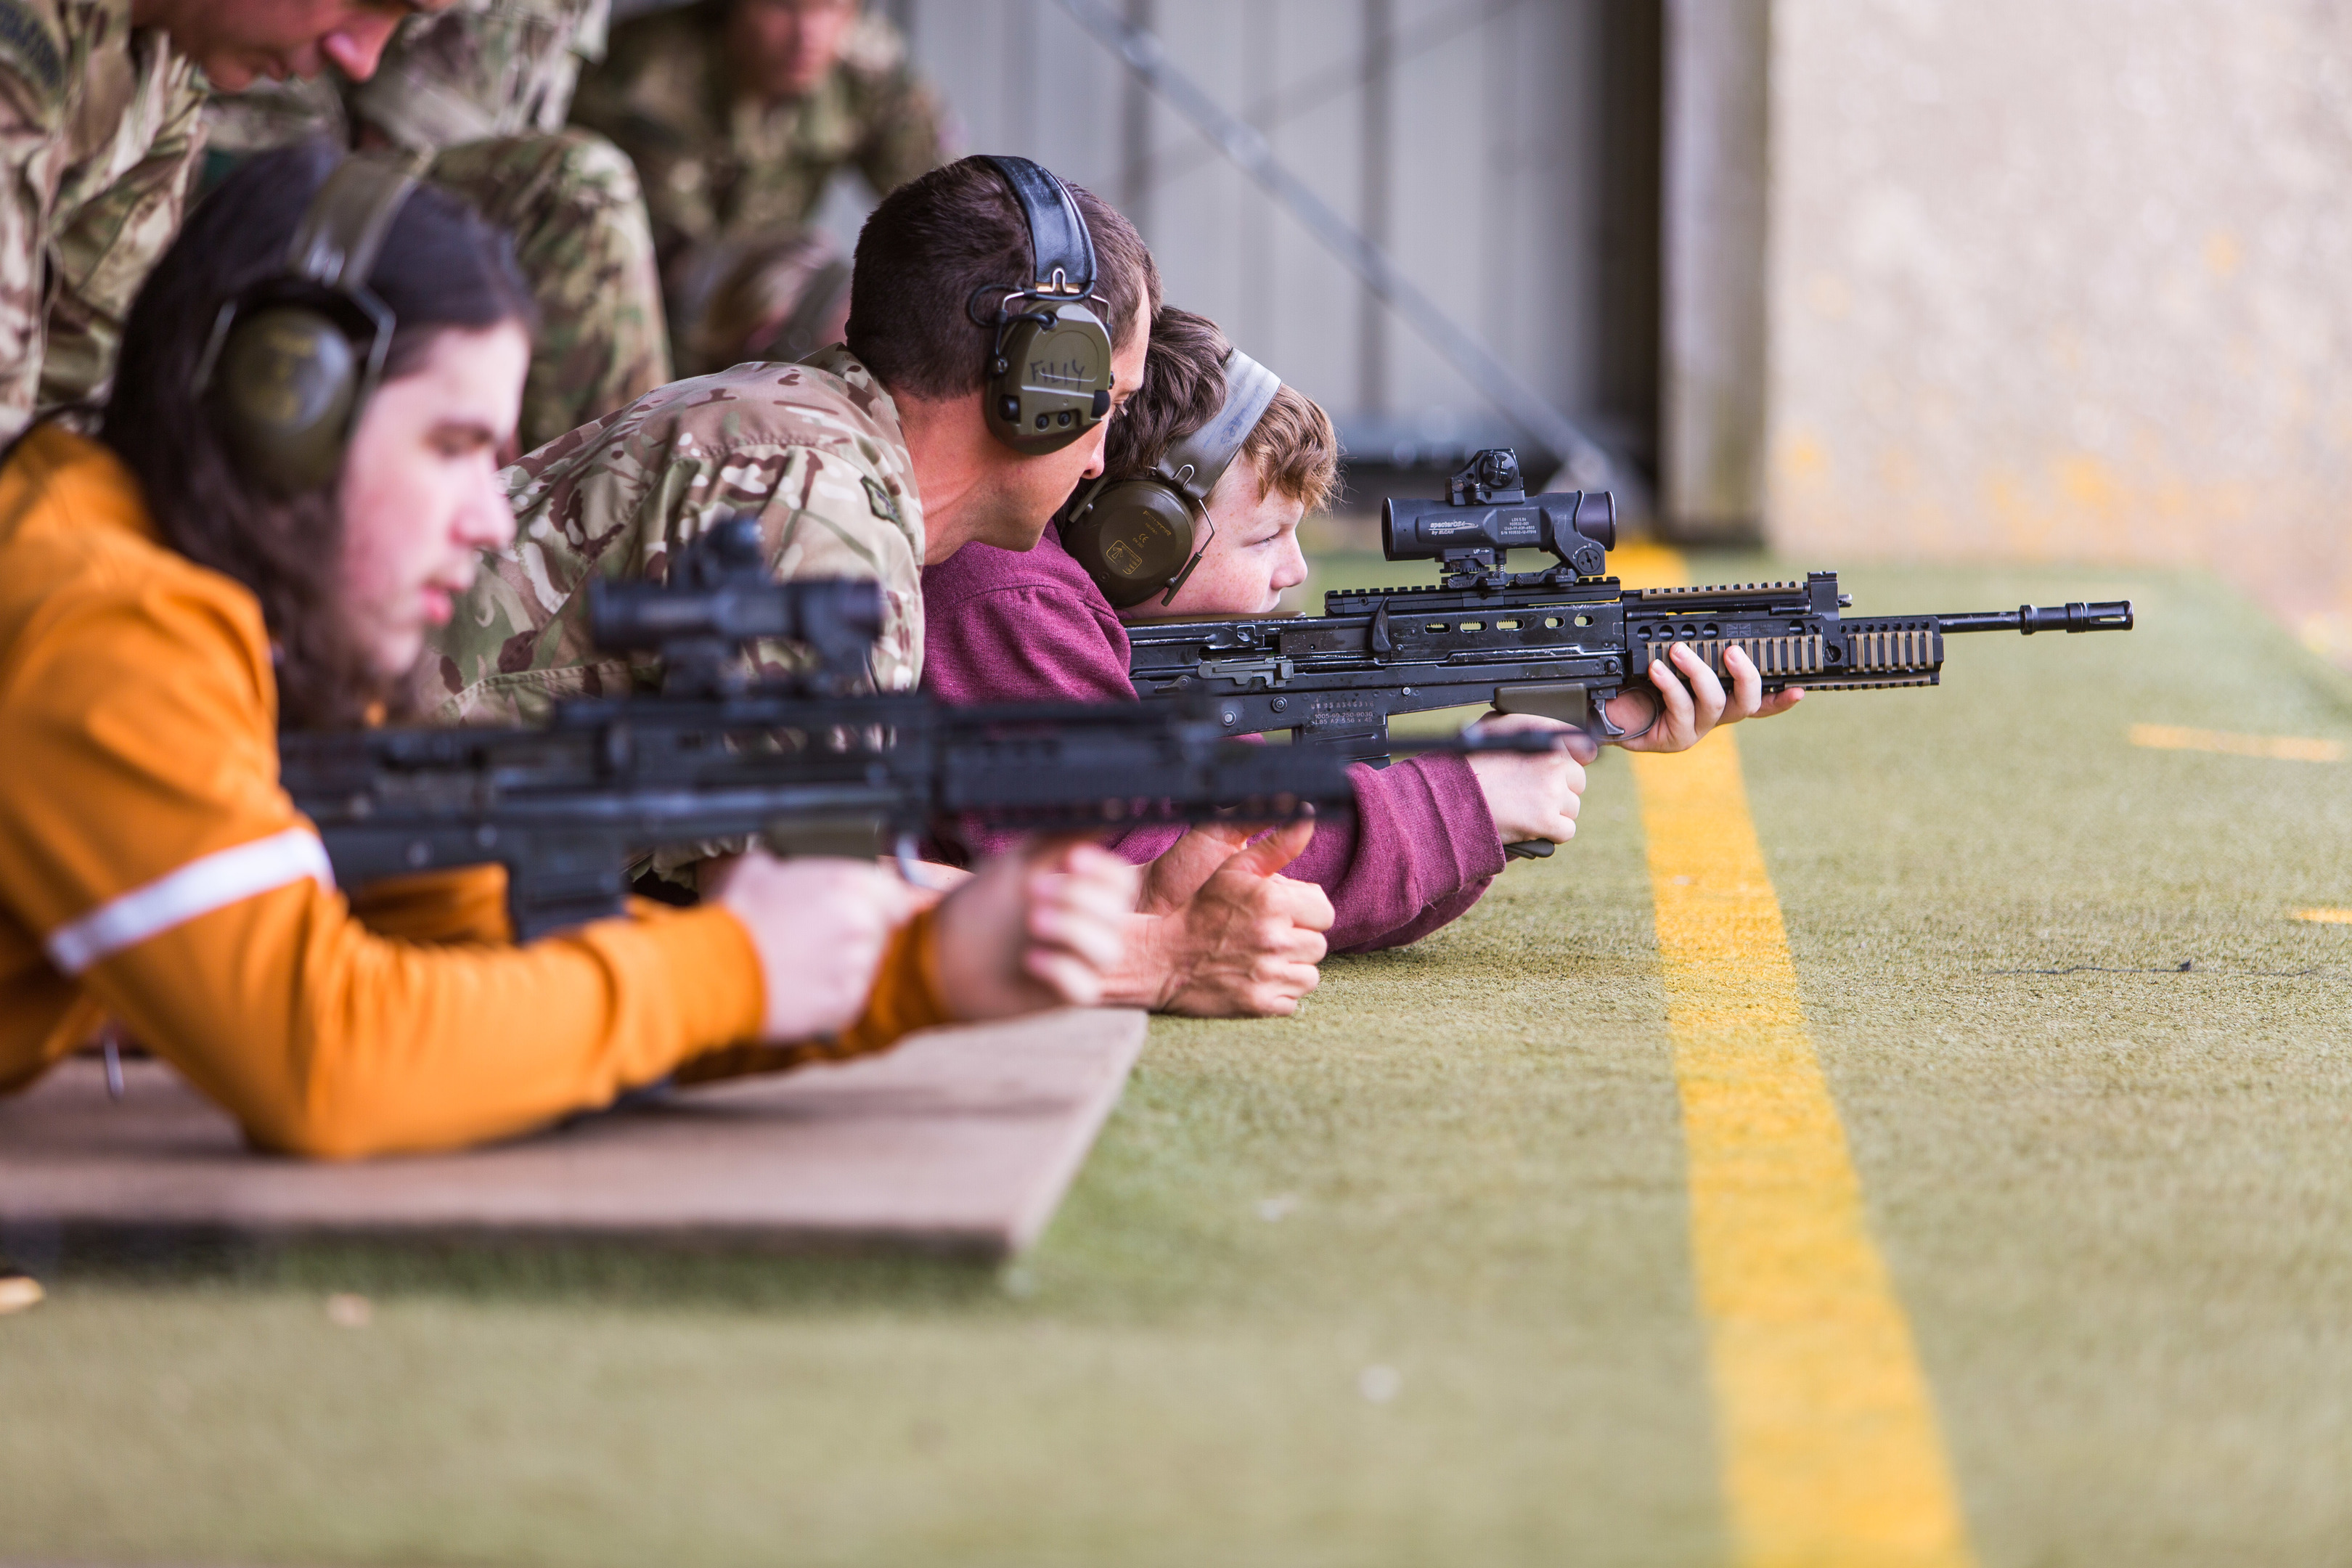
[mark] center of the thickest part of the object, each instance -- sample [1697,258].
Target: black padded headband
[1059,245]
[340,237]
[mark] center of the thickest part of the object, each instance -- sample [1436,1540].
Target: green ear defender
[290,361]
[1134,537]
[1049,373]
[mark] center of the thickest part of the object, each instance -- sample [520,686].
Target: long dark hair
[442,268]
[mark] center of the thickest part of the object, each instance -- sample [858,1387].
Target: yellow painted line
[1639,564]
[1830,1453]
[2288,748]
[2325,917]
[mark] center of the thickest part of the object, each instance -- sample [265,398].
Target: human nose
[486,522]
[1097,443]
[357,46]
[1293,571]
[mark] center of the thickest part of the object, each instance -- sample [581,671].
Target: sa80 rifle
[1561,642]
[808,763]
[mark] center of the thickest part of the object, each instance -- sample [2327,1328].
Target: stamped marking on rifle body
[1343,710]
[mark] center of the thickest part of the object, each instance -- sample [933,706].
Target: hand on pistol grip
[1532,795]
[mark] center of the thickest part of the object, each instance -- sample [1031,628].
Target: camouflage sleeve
[907,133]
[32,112]
[571,200]
[113,241]
[482,69]
[593,29]
[828,481]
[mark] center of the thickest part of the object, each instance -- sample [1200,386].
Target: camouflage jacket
[814,450]
[480,69]
[99,133]
[720,165]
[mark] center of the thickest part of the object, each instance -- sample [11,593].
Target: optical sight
[1486,511]
[719,597]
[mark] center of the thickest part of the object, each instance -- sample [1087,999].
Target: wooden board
[960,1140]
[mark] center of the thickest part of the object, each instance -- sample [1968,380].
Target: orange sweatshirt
[153,870]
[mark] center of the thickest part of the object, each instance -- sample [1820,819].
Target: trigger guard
[1603,729]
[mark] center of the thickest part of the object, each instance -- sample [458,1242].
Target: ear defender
[293,361]
[1134,537]
[1048,373]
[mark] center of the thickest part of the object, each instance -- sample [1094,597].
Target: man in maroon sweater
[1429,832]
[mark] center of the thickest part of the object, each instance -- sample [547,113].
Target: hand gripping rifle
[1561,642]
[808,764]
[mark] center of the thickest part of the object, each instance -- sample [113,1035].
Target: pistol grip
[1577,703]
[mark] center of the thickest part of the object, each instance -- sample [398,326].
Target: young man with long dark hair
[161,613]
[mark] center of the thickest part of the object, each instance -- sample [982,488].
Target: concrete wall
[1716,188]
[2066,280]
[1505,151]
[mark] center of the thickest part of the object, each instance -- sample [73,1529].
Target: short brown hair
[1293,444]
[937,240]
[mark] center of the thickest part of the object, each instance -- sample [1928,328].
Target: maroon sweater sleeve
[1002,625]
[999,625]
[1422,851]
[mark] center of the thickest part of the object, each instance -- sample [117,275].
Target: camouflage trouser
[572,204]
[780,294]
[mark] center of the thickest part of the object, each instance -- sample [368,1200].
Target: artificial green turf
[2118,1205]
[2114,1204]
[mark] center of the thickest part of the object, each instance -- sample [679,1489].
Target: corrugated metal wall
[1505,151]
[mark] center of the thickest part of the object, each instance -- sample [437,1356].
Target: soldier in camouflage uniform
[570,201]
[485,68]
[483,88]
[99,134]
[815,451]
[737,113]
[866,468]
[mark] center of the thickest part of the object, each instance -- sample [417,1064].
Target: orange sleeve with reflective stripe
[137,716]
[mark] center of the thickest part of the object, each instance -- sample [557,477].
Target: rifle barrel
[2110,615]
